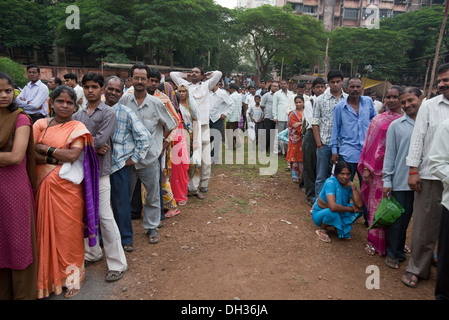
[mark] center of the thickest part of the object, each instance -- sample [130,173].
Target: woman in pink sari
[371,164]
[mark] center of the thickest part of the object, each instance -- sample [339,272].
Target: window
[351,13]
[309,9]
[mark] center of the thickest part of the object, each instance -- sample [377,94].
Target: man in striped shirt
[131,142]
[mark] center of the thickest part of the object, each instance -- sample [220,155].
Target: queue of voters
[80,159]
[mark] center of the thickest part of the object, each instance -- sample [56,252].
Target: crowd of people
[79,162]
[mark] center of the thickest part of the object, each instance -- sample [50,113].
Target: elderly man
[130,142]
[33,98]
[200,86]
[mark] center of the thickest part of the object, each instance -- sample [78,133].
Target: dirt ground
[252,238]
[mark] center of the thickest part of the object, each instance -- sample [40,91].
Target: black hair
[443,68]
[340,165]
[161,87]
[413,90]
[355,78]
[154,73]
[301,85]
[335,73]
[63,88]
[318,80]
[139,66]
[95,77]
[257,96]
[399,88]
[58,81]
[12,107]
[234,86]
[299,96]
[33,66]
[199,68]
[71,76]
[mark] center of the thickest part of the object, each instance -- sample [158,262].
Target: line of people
[69,178]
[396,152]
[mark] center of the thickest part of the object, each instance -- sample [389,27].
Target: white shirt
[308,111]
[80,94]
[200,91]
[35,93]
[236,113]
[430,114]
[280,103]
[439,158]
[377,105]
[220,104]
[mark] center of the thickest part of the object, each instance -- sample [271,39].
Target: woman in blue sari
[333,207]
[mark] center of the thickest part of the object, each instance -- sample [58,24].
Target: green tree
[15,71]
[380,48]
[274,33]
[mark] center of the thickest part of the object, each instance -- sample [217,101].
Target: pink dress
[16,208]
[179,164]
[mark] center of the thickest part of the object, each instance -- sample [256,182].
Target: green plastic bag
[387,213]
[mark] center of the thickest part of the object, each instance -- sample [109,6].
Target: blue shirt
[395,171]
[349,128]
[35,97]
[131,139]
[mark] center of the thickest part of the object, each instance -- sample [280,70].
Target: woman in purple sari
[371,164]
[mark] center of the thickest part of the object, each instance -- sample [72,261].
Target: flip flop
[370,250]
[407,279]
[172,213]
[392,263]
[199,196]
[114,275]
[323,236]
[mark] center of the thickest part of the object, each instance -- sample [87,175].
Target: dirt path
[253,238]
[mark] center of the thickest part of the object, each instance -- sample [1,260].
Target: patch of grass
[299,279]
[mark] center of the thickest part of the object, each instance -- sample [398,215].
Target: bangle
[413,172]
[50,151]
[48,160]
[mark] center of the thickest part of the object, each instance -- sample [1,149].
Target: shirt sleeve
[316,115]
[178,79]
[336,130]
[141,136]
[389,158]
[216,76]
[439,153]
[106,129]
[417,140]
[275,107]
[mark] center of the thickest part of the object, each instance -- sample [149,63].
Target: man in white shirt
[309,143]
[268,124]
[232,122]
[439,166]
[33,98]
[71,80]
[428,187]
[200,87]
[221,108]
[280,116]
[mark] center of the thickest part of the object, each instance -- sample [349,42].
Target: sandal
[323,235]
[114,275]
[153,237]
[70,293]
[407,250]
[369,249]
[128,247]
[392,263]
[182,203]
[171,213]
[199,196]
[407,279]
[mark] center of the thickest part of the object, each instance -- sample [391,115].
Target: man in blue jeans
[131,142]
[322,122]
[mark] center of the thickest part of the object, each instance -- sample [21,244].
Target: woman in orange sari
[294,151]
[67,210]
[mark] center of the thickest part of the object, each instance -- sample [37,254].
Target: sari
[180,164]
[169,201]
[294,151]
[66,212]
[189,115]
[342,221]
[372,157]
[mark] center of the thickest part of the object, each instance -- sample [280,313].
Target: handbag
[387,213]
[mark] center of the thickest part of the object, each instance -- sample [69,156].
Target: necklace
[49,123]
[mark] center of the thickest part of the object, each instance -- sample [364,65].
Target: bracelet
[50,151]
[49,160]
[413,172]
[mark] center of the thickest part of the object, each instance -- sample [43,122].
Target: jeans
[121,206]
[397,232]
[323,167]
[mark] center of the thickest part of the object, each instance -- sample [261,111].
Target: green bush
[15,71]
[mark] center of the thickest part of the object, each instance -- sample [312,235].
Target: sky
[227,3]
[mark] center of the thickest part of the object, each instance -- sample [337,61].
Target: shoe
[128,247]
[204,189]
